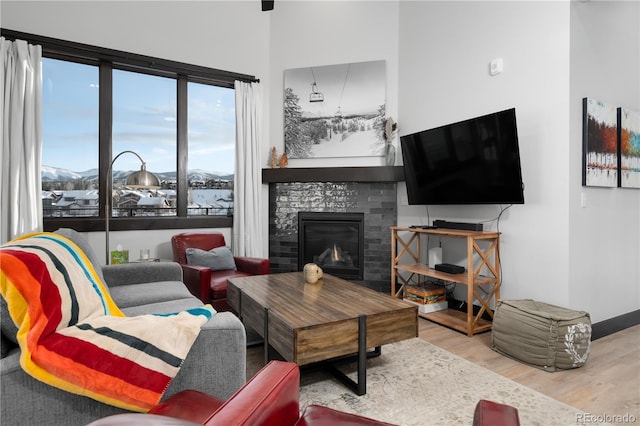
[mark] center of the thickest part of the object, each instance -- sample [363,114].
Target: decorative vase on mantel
[389,154]
[390,128]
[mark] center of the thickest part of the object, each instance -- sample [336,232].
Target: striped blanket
[73,336]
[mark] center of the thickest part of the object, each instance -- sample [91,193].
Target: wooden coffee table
[310,323]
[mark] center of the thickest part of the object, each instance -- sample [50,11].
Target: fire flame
[336,255]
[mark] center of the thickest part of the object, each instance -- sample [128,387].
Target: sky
[144,121]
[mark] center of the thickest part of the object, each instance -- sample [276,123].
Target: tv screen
[474,161]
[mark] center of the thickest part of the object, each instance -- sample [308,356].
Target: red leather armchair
[211,286]
[270,398]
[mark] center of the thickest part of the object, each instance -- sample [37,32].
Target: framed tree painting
[600,144]
[629,140]
[335,110]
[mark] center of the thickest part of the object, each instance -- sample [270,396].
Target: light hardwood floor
[608,384]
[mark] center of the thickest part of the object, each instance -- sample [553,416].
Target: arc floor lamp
[141,179]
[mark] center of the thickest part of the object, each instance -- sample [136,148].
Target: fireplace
[333,241]
[375,200]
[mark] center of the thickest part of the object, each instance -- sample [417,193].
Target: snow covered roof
[151,201]
[89,195]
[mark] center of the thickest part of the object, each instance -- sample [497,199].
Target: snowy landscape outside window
[144,111]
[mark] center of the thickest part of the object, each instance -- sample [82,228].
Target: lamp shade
[143,179]
[139,180]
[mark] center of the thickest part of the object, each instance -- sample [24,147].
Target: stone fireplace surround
[370,190]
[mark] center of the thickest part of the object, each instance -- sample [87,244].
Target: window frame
[107,60]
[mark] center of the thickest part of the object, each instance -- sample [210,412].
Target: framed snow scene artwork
[600,144]
[335,110]
[629,128]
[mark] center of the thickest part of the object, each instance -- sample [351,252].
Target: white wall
[555,53]
[316,33]
[227,35]
[604,235]
[437,55]
[445,51]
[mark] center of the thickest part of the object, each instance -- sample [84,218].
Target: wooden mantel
[334,174]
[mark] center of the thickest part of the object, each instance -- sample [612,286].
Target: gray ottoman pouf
[545,336]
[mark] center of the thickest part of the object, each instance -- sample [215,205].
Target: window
[70,126]
[179,118]
[211,149]
[144,121]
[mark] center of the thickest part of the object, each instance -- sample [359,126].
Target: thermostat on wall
[496,66]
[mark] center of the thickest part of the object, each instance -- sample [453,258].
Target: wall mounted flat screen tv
[474,161]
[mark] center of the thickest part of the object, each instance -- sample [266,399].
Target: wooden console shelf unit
[483,249]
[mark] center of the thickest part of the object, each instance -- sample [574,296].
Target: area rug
[416,383]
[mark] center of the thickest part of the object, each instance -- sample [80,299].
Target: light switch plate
[496,66]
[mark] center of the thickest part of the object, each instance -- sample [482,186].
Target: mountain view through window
[145,122]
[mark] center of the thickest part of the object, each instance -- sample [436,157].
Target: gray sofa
[215,365]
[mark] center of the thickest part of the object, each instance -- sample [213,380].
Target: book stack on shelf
[428,296]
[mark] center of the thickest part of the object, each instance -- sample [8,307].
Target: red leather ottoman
[489,413]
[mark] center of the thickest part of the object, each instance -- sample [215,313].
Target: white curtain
[21,132]
[248,228]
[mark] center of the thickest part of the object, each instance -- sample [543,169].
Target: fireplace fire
[333,241]
[333,257]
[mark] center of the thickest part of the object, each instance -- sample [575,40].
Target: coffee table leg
[240,304]
[359,387]
[266,335]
